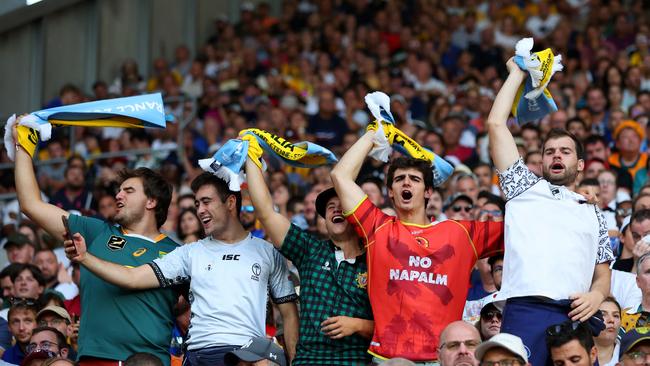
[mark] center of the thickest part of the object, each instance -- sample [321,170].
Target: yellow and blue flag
[228,161]
[389,137]
[138,111]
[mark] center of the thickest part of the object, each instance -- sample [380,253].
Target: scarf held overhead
[389,137]
[228,161]
[533,100]
[141,111]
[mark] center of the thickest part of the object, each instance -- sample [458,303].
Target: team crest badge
[116,243]
[362,280]
[139,252]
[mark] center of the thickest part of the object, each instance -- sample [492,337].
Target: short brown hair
[557,133]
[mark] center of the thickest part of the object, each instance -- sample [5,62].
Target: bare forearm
[365,328]
[503,102]
[350,164]
[26,183]
[602,279]
[260,194]
[29,197]
[289,312]
[275,224]
[129,278]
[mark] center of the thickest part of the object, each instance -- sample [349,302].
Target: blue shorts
[528,318]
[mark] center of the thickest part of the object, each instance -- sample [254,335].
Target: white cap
[504,340]
[626,222]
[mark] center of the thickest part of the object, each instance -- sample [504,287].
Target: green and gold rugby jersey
[116,322]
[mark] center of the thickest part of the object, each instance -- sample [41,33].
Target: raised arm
[347,169]
[503,149]
[136,278]
[275,224]
[43,214]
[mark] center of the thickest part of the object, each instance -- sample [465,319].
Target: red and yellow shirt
[418,277]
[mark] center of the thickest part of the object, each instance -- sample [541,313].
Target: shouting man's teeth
[338,219]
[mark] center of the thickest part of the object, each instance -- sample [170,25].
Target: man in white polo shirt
[557,251]
[229,273]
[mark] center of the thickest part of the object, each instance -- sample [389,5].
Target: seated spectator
[22,321]
[489,324]
[460,207]
[45,341]
[458,342]
[19,248]
[628,136]
[74,195]
[258,351]
[50,267]
[189,227]
[638,317]
[638,228]
[28,282]
[571,343]
[635,348]
[54,317]
[503,349]
[607,341]
[6,283]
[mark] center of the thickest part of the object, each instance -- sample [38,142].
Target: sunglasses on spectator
[495,213]
[642,322]
[562,328]
[489,315]
[14,301]
[638,357]
[43,346]
[623,211]
[248,208]
[454,345]
[466,208]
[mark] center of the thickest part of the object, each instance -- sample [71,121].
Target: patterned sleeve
[516,179]
[174,267]
[605,253]
[281,286]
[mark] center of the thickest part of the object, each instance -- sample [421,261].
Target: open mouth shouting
[337,219]
[407,195]
[557,168]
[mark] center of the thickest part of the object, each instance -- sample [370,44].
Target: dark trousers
[528,318]
[211,356]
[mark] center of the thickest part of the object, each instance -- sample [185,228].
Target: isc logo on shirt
[230,257]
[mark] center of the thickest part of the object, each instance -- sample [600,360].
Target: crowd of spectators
[303,75]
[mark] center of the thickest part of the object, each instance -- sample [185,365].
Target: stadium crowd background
[304,75]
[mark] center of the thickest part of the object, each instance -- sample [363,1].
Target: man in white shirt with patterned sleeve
[557,251]
[229,273]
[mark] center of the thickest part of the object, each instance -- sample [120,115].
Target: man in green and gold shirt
[116,322]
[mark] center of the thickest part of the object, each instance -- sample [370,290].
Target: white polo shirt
[228,287]
[553,239]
